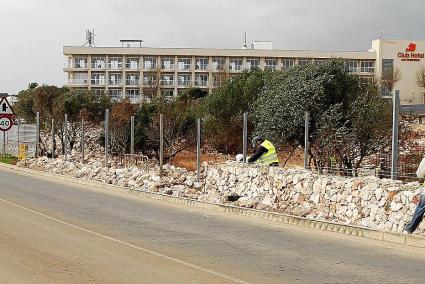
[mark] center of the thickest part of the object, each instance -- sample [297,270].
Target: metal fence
[23,141]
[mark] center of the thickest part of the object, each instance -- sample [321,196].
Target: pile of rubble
[366,201]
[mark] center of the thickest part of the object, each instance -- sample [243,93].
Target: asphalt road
[52,232]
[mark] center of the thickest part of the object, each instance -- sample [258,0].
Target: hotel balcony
[78,82]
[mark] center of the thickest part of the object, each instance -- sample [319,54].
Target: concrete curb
[410,240]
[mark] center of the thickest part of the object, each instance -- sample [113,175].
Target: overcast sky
[33,32]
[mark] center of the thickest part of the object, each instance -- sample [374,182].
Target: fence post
[132,135]
[161,144]
[198,149]
[65,130]
[19,122]
[37,134]
[82,140]
[53,138]
[245,135]
[306,134]
[394,144]
[106,137]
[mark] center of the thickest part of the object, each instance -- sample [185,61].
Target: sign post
[6,118]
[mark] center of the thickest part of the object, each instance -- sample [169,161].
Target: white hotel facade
[135,72]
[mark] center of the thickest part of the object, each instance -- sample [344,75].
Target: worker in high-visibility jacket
[266,153]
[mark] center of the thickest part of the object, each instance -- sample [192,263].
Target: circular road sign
[5,123]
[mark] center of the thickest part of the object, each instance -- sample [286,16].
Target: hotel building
[140,73]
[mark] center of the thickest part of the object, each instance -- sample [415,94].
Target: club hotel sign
[410,54]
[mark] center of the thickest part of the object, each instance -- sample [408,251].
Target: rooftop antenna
[409,35]
[90,38]
[381,34]
[244,43]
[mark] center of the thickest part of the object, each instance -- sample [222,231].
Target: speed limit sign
[5,123]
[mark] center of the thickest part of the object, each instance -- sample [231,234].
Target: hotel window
[149,80]
[352,66]
[320,61]
[184,80]
[367,66]
[115,63]
[132,94]
[115,94]
[201,80]
[115,79]
[99,92]
[79,78]
[218,63]
[167,63]
[132,79]
[167,80]
[132,63]
[98,62]
[304,61]
[149,63]
[252,63]
[98,79]
[201,63]
[271,64]
[287,63]
[184,63]
[235,64]
[80,62]
[167,93]
[387,65]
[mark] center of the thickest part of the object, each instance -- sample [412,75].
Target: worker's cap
[256,139]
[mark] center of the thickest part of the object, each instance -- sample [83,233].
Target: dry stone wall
[365,201]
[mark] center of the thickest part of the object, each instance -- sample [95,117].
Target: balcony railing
[201,83]
[185,83]
[132,65]
[100,65]
[167,82]
[361,69]
[78,81]
[115,82]
[80,65]
[149,66]
[115,66]
[132,82]
[98,82]
[201,67]
[183,66]
[167,66]
[235,67]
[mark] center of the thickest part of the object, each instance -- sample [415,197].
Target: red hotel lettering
[403,55]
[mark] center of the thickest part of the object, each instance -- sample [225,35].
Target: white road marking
[179,261]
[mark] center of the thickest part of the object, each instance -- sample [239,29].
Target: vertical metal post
[106,137]
[306,134]
[198,149]
[4,142]
[245,136]
[82,140]
[132,135]
[53,138]
[65,129]
[394,146]
[37,134]
[19,125]
[161,144]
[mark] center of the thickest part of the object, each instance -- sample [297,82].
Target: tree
[78,104]
[349,118]
[119,131]
[223,109]
[420,78]
[389,78]
[179,120]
